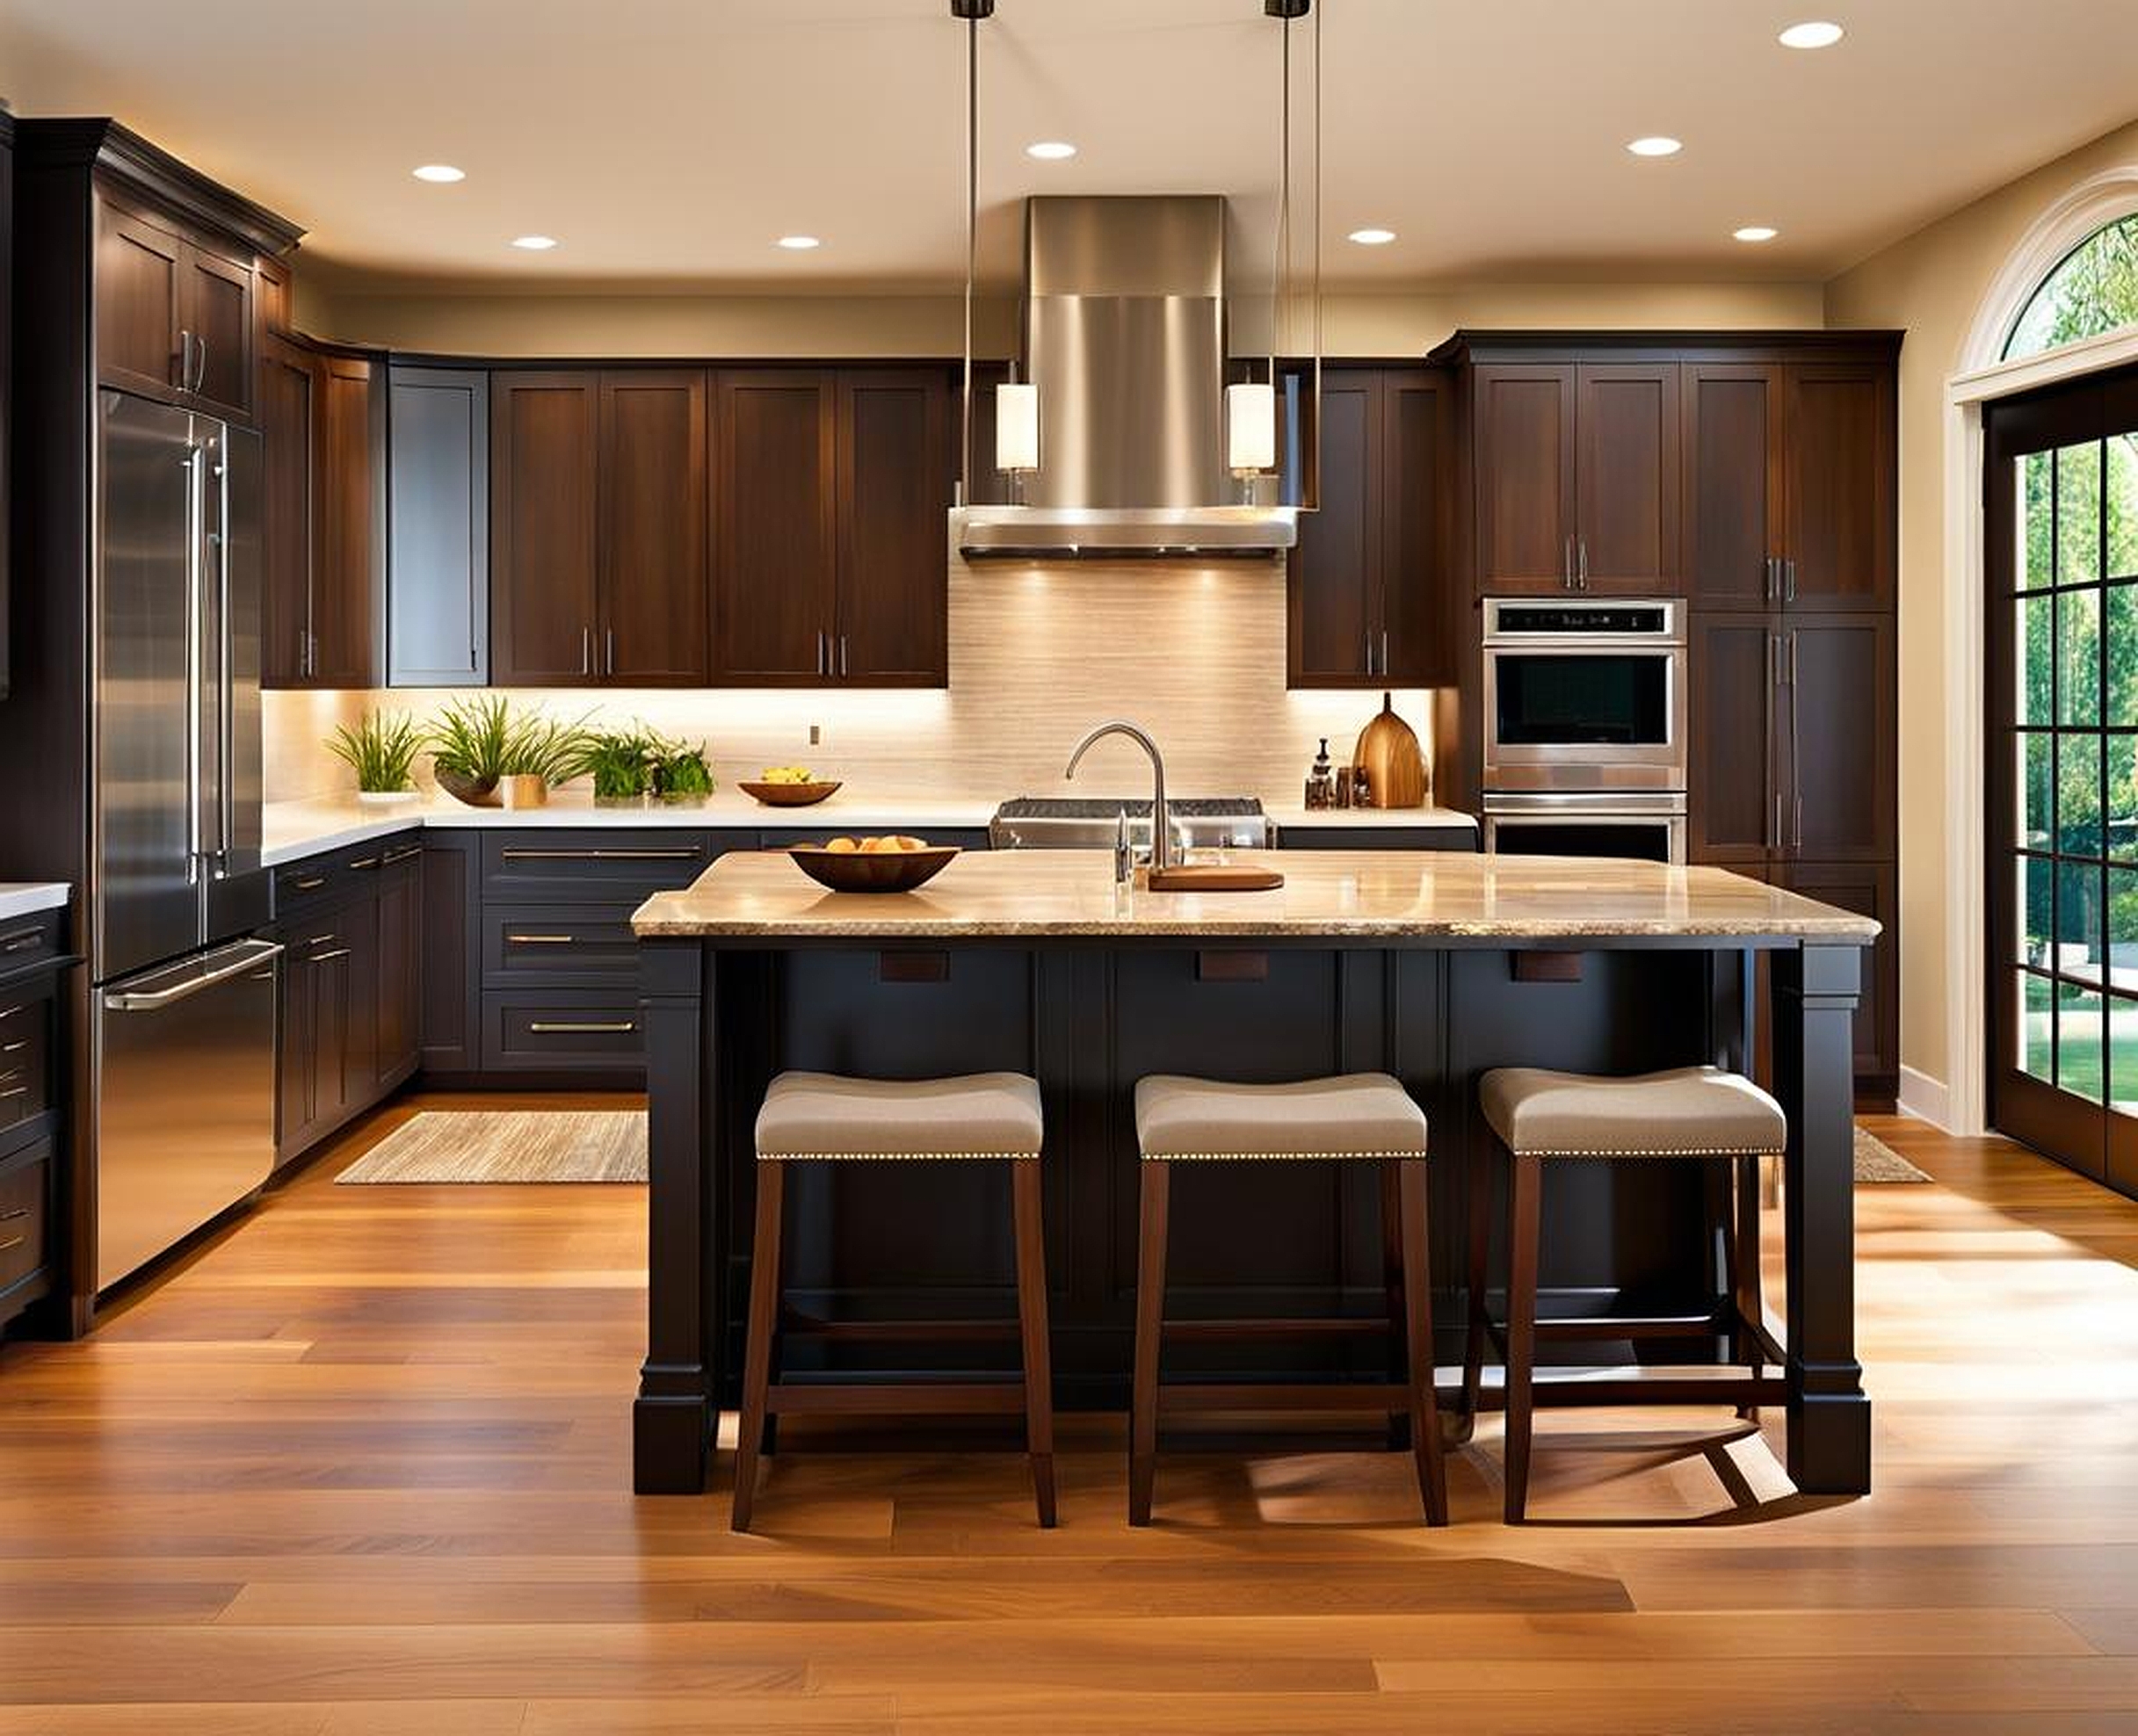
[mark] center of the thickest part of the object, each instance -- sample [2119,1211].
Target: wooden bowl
[475,791]
[788,795]
[871,870]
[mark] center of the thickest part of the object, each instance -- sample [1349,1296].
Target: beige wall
[1931,284]
[862,326]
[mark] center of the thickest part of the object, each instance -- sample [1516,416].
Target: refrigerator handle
[250,954]
[195,513]
[226,681]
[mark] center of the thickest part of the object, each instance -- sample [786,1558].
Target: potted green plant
[622,764]
[540,753]
[681,771]
[381,748]
[469,744]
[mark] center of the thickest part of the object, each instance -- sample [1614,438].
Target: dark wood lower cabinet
[1872,889]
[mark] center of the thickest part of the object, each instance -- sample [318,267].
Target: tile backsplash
[1039,653]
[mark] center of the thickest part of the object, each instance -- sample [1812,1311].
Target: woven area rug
[454,1145]
[1878,1162]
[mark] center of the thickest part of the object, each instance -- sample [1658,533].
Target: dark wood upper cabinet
[1842,542]
[289,376]
[1524,439]
[775,570]
[653,598]
[1626,469]
[894,449]
[349,515]
[545,443]
[1369,586]
[216,310]
[175,314]
[1735,482]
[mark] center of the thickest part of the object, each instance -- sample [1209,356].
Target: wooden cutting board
[1213,876]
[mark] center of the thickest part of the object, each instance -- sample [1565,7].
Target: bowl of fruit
[788,787]
[895,864]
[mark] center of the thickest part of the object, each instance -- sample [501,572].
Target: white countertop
[1295,819]
[293,829]
[27,898]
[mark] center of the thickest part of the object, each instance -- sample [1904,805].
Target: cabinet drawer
[25,1047]
[538,1031]
[25,1188]
[604,864]
[28,941]
[319,881]
[559,944]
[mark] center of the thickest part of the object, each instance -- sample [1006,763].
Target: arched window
[2094,289]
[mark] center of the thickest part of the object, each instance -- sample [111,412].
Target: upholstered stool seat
[1696,1113]
[821,1117]
[1358,1118]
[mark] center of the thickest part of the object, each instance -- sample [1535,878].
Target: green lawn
[2082,1060]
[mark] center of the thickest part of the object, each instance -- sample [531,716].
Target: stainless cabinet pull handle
[539,939]
[14,1214]
[1583,570]
[311,883]
[1384,650]
[1566,566]
[583,1027]
[820,652]
[1796,770]
[403,854]
[326,957]
[185,358]
[16,1047]
[18,1091]
[10,1246]
[200,364]
[20,938]
[608,650]
[1789,581]
[10,1012]
[842,656]
[524,854]
[586,650]
[361,863]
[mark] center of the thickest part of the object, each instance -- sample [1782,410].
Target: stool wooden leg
[1523,1227]
[1418,1339]
[758,1348]
[1032,1323]
[1392,1287]
[1477,1183]
[1157,1191]
[1748,1293]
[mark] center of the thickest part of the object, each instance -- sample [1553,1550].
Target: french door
[2061,499]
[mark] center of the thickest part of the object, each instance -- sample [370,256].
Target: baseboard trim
[1925,1098]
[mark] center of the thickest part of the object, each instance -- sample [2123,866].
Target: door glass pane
[2078,921]
[2037,787]
[2036,634]
[2123,930]
[2034,1054]
[2122,818]
[2078,794]
[2122,487]
[2037,551]
[2037,909]
[2122,655]
[2078,656]
[2078,513]
[2079,1035]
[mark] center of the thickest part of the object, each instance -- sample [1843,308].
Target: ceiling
[669,142]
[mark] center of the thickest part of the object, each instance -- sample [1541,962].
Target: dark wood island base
[1035,963]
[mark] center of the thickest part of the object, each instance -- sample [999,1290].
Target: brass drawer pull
[12,1244]
[540,939]
[312,884]
[19,939]
[14,1214]
[518,854]
[403,854]
[361,863]
[18,1091]
[322,957]
[583,1027]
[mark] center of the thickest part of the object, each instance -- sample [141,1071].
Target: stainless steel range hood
[1124,338]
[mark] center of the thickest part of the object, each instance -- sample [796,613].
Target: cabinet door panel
[288,383]
[1526,465]
[400,973]
[1842,738]
[893,530]
[348,513]
[1841,456]
[544,441]
[1731,815]
[1871,890]
[653,529]
[1627,467]
[438,564]
[1334,570]
[216,307]
[139,271]
[451,1016]
[1734,482]
[295,1112]
[775,586]
[1418,607]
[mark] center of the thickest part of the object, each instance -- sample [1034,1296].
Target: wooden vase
[1388,753]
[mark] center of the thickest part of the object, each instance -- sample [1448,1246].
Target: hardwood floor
[360,1469]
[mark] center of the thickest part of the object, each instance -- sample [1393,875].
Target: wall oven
[1584,696]
[1646,826]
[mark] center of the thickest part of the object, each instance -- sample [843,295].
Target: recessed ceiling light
[439,172]
[1754,232]
[535,243]
[798,243]
[1050,150]
[1373,237]
[1812,33]
[1657,145]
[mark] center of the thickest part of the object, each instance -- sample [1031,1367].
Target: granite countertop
[1336,893]
[1297,819]
[27,898]
[298,829]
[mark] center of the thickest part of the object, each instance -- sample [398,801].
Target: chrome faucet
[1160,817]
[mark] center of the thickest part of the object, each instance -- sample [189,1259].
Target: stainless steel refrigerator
[183,1025]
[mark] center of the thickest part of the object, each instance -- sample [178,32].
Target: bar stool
[818,1117]
[1358,1118]
[1699,1113]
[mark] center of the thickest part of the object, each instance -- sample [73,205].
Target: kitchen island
[1432,966]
